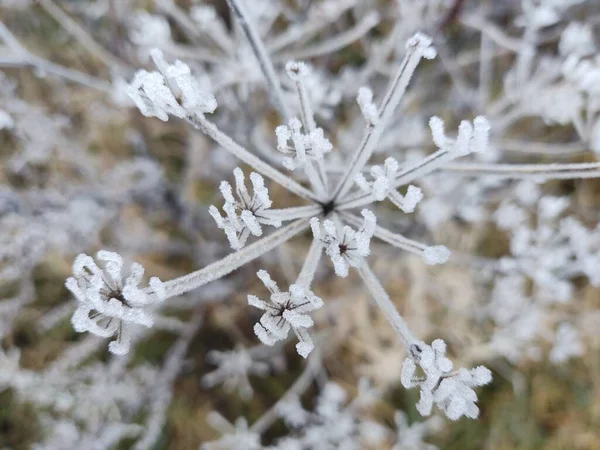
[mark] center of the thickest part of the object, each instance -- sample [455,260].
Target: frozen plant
[285,311]
[328,162]
[451,390]
[109,304]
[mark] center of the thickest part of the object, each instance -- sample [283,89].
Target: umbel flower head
[108,304]
[245,215]
[452,391]
[285,311]
[346,247]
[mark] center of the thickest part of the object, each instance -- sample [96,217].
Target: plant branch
[233,261]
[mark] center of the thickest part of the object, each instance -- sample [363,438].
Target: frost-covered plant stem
[238,9]
[394,239]
[417,48]
[338,42]
[310,264]
[300,386]
[539,172]
[233,261]
[200,122]
[389,309]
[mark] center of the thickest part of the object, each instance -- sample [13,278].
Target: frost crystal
[382,186]
[305,147]
[109,305]
[285,311]
[450,390]
[472,138]
[171,90]
[245,215]
[345,246]
[367,107]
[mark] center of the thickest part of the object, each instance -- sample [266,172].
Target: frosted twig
[419,46]
[264,60]
[302,32]
[311,263]
[203,124]
[540,172]
[300,386]
[334,43]
[389,309]
[432,255]
[233,261]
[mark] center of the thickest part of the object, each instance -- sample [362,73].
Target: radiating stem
[335,43]
[200,122]
[394,239]
[234,260]
[295,212]
[264,60]
[300,386]
[395,91]
[540,172]
[311,263]
[383,301]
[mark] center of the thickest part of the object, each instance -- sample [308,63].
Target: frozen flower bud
[285,311]
[297,70]
[382,186]
[346,247]
[452,391]
[367,107]
[305,147]
[423,44]
[110,304]
[246,214]
[472,138]
[436,254]
[172,90]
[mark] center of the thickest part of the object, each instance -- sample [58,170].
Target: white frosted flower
[110,304]
[346,247]
[246,214]
[382,186]
[472,138]
[233,369]
[450,390]
[235,436]
[305,147]
[172,90]
[285,311]
[423,44]
[367,107]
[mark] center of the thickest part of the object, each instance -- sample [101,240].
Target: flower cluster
[108,304]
